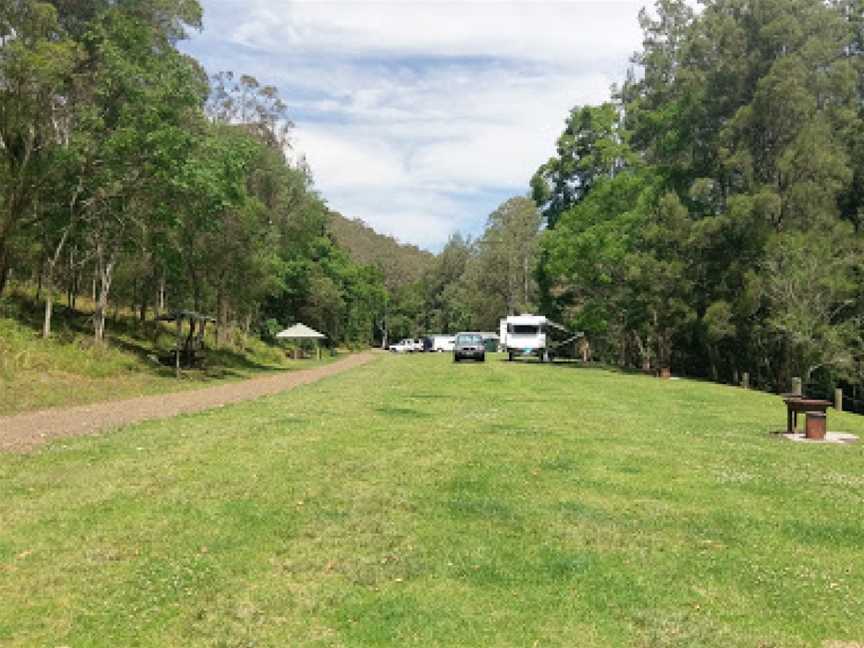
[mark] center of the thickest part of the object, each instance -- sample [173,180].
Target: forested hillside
[708,216]
[400,263]
[129,175]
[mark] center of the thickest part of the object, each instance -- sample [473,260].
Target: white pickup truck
[407,345]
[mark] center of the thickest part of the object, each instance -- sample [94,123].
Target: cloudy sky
[421,117]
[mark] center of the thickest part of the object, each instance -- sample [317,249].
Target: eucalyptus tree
[242,99]
[36,60]
[133,131]
[502,268]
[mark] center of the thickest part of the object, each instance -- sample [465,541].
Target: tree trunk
[247,324]
[221,320]
[72,281]
[49,308]
[160,297]
[4,273]
[105,272]
[49,267]
[145,291]
[644,352]
[39,280]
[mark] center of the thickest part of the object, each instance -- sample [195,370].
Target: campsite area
[413,501]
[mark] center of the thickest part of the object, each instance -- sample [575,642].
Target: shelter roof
[300,332]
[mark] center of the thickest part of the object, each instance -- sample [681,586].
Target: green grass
[69,370]
[417,502]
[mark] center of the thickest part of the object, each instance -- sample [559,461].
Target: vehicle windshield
[469,339]
[523,329]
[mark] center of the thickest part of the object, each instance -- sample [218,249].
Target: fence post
[796,386]
[745,380]
[838,399]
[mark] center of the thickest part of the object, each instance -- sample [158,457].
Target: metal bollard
[796,386]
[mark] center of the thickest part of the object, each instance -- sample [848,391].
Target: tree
[809,284]
[133,131]
[36,60]
[241,99]
[501,271]
[591,147]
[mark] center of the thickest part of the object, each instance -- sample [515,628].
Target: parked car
[469,345]
[402,346]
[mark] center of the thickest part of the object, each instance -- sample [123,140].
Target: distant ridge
[401,263]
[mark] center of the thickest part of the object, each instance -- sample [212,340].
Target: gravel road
[29,430]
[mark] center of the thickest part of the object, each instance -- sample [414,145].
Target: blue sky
[422,117]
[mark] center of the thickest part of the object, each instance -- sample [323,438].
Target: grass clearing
[417,502]
[69,370]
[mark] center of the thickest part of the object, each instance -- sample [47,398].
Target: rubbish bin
[816,425]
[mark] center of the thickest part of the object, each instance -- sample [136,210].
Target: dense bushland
[708,216]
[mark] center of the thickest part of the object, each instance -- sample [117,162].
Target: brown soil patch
[27,431]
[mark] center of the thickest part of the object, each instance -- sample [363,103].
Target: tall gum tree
[36,59]
[134,130]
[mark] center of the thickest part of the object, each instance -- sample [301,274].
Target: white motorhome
[530,336]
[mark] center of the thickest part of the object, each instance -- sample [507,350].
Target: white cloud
[549,31]
[415,116]
[421,217]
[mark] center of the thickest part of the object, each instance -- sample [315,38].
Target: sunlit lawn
[417,502]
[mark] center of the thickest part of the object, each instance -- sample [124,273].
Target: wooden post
[796,386]
[745,380]
[838,399]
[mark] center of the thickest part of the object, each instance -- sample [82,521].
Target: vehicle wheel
[510,356]
[483,358]
[455,358]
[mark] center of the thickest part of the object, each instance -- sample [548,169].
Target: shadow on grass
[402,412]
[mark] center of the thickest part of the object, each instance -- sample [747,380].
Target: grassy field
[69,370]
[417,502]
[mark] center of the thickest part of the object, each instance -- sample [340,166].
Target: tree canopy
[708,216]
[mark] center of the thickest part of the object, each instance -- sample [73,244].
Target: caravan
[533,336]
[439,343]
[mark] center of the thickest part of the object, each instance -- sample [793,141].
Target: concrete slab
[842,438]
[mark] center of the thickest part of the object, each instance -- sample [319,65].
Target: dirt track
[27,431]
